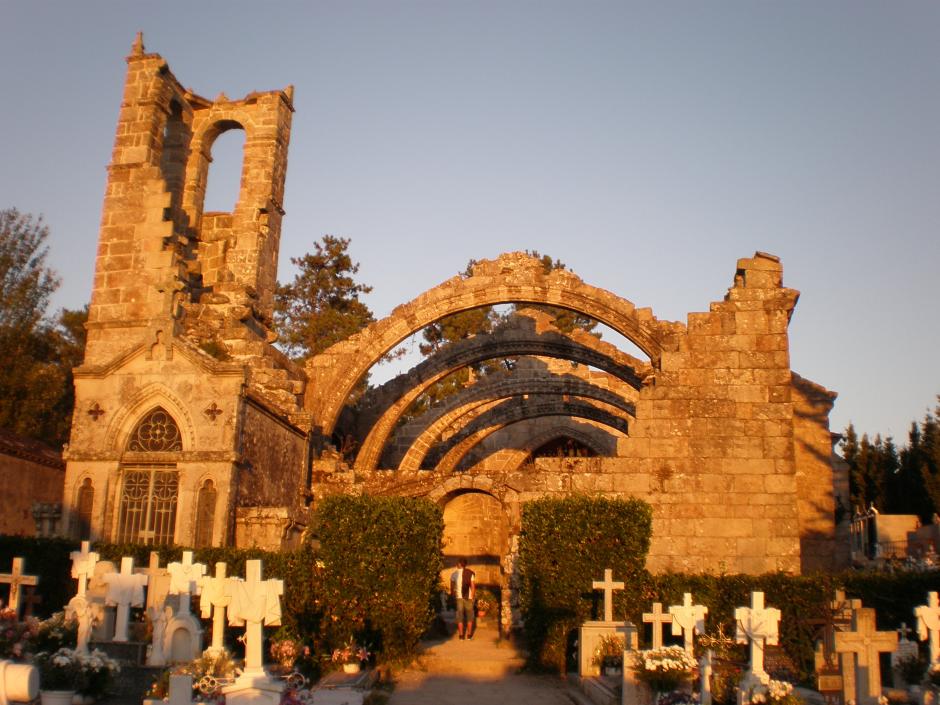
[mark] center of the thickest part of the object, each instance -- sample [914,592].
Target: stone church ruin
[191,427]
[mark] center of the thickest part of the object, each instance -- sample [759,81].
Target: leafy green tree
[36,355]
[321,306]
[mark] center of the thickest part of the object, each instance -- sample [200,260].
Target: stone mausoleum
[192,427]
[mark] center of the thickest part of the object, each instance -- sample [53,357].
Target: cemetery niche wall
[191,427]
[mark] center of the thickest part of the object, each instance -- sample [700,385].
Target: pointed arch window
[205,514]
[150,491]
[85,505]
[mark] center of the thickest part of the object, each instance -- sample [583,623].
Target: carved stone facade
[190,425]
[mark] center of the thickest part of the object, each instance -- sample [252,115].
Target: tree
[321,306]
[36,355]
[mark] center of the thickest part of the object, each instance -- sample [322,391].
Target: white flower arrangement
[664,668]
[774,693]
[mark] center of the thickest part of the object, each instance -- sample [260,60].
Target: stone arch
[153,395]
[197,173]
[84,508]
[204,511]
[476,527]
[431,424]
[510,456]
[382,407]
[513,278]
[505,413]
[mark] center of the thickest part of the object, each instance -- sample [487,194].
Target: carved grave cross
[658,619]
[758,624]
[928,624]
[125,589]
[688,619]
[157,582]
[184,578]
[608,585]
[255,601]
[866,643]
[15,578]
[216,596]
[83,566]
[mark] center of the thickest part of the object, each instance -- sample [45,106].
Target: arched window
[150,490]
[205,514]
[85,505]
[224,179]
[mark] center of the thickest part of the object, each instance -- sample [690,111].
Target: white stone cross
[125,589]
[928,624]
[687,619]
[608,585]
[216,596]
[658,619]
[83,565]
[866,643]
[15,578]
[760,625]
[184,579]
[254,601]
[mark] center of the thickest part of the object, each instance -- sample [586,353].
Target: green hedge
[564,545]
[381,569]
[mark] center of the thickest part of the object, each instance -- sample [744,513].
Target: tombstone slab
[866,643]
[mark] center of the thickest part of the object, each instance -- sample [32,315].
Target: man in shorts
[463,589]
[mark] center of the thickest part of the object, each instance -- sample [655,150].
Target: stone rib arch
[431,424]
[382,407]
[513,278]
[125,419]
[500,415]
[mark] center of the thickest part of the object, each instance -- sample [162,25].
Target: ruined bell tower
[179,366]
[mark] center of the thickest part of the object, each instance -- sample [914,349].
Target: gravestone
[865,642]
[687,620]
[657,618]
[216,596]
[15,578]
[80,607]
[255,602]
[182,639]
[103,628]
[125,590]
[906,650]
[158,582]
[591,633]
[759,626]
[928,625]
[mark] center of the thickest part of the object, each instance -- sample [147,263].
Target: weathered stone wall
[30,474]
[272,460]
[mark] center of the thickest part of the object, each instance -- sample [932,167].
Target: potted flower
[608,654]
[285,652]
[351,656]
[16,636]
[664,669]
[485,603]
[60,676]
[98,671]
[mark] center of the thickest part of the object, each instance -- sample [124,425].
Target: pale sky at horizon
[646,146]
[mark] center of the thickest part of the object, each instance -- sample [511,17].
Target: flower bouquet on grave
[608,654]
[16,637]
[774,693]
[60,671]
[665,668]
[56,632]
[286,652]
[98,671]
[351,656]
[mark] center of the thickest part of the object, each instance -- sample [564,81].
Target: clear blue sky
[647,146]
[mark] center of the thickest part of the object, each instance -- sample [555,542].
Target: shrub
[563,545]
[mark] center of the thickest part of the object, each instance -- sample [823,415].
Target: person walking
[463,589]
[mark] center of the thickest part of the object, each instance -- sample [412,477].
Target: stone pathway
[479,671]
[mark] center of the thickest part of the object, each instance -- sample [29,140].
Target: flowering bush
[61,670]
[609,651]
[98,671]
[665,668]
[774,693]
[16,636]
[351,652]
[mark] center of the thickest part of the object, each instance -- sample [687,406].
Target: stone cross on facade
[83,565]
[125,589]
[928,624]
[866,643]
[687,619]
[254,602]
[184,579]
[658,619]
[15,578]
[608,585]
[759,625]
[216,596]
